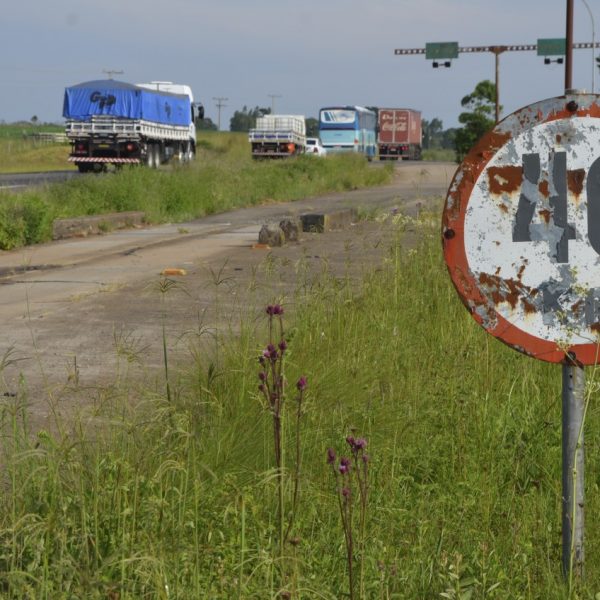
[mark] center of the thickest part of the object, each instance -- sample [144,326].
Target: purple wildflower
[301,384]
[350,440]
[346,492]
[330,456]
[344,465]
[283,346]
[365,458]
[271,353]
[262,388]
[262,376]
[274,309]
[360,444]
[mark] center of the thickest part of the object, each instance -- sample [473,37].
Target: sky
[306,53]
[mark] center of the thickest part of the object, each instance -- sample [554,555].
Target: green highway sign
[441,50]
[551,47]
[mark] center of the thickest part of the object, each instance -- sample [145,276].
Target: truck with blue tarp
[113,122]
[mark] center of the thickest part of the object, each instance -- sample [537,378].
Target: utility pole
[219,103]
[273,96]
[496,50]
[111,72]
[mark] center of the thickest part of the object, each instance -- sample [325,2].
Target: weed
[272,387]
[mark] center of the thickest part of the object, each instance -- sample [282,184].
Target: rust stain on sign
[501,290]
[512,291]
[575,180]
[545,214]
[544,188]
[506,179]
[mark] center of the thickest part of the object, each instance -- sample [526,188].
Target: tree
[449,138]
[245,119]
[312,127]
[481,105]
[432,133]
[34,119]
[205,124]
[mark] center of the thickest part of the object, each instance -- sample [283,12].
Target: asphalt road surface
[78,314]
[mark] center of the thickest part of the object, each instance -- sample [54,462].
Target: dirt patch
[75,331]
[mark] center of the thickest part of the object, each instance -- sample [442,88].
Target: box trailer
[399,134]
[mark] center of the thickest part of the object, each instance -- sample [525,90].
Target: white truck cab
[182,90]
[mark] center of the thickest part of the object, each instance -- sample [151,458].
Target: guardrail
[51,138]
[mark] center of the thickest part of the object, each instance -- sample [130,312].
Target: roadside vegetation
[222,177]
[22,151]
[448,484]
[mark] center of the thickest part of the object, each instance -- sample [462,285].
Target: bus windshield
[338,116]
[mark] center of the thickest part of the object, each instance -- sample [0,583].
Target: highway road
[18,181]
[76,313]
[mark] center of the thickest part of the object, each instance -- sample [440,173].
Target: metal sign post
[573,412]
[521,236]
[573,402]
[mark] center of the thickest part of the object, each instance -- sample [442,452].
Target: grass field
[172,492]
[20,152]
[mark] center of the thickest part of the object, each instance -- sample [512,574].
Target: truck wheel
[150,156]
[84,167]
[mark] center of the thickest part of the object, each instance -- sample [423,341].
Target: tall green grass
[155,498]
[222,177]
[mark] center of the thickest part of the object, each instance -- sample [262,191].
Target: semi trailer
[113,122]
[399,134]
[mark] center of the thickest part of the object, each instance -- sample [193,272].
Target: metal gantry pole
[497,99]
[569,47]
[573,414]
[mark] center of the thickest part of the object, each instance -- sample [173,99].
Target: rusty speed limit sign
[521,230]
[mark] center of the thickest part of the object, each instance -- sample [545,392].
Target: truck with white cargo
[399,134]
[278,136]
[113,122]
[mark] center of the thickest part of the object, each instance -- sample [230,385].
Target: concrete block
[95,224]
[329,221]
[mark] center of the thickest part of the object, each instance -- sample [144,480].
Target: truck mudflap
[103,159]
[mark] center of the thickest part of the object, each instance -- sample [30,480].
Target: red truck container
[399,134]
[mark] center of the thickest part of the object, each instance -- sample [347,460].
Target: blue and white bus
[348,129]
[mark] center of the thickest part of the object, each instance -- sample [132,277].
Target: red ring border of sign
[459,192]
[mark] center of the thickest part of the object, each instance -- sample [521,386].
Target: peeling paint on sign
[521,229]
